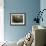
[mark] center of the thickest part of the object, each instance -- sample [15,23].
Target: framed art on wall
[17,18]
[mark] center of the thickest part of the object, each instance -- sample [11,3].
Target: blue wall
[14,33]
[43,6]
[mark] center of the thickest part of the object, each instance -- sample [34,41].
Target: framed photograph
[17,18]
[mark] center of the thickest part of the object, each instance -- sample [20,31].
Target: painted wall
[30,7]
[43,6]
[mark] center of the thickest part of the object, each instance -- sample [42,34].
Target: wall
[43,6]
[30,7]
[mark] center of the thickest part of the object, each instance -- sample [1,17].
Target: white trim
[1,20]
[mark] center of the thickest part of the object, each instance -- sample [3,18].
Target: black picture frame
[18,19]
